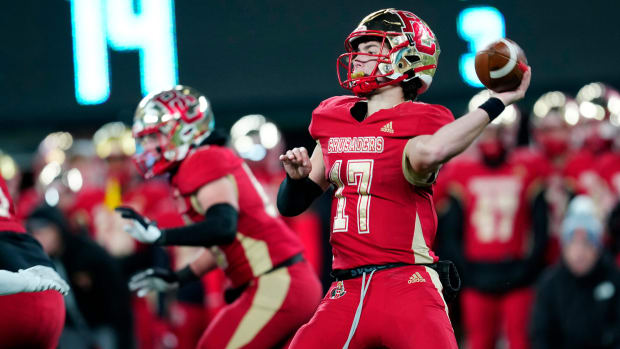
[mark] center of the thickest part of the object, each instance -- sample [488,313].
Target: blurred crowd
[534,229]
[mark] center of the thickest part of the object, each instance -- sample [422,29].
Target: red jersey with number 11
[381,213]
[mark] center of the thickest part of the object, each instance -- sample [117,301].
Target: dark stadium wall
[278,58]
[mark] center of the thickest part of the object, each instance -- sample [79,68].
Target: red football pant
[268,312]
[188,322]
[308,227]
[484,315]
[403,308]
[31,320]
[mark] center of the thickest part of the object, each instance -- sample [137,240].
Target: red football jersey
[583,176]
[263,240]
[608,167]
[379,215]
[8,222]
[497,207]
[307,225]
[153,199]
[556,190]
[579,173]
[557,194]
[606,190]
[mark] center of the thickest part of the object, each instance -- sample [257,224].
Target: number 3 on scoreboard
[359,173]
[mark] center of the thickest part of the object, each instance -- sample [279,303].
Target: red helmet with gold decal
[412,47]
[179,118]
[553,121]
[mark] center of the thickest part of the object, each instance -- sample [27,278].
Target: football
[500,66]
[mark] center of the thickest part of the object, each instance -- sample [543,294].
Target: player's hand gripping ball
[500,66]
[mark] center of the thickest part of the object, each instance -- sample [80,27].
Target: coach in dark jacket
[578,300]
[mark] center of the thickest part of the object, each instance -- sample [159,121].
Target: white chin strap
[358,312]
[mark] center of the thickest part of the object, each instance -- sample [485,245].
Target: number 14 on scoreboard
[99,24]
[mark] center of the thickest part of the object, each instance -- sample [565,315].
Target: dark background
[278,58]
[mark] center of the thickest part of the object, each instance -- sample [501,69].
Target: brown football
[500,66]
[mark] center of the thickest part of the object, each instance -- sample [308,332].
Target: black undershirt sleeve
[21,251]
[296,195]
[218,228]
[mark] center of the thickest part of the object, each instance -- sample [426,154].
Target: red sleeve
[428,118]
[203,166]
[326,108]
[533,160]
[315,120]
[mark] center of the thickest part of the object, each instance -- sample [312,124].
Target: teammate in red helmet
[227,211]
[496,229]
[381,151]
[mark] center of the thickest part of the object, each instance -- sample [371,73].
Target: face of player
[49,238]
[580,255]
[491,146]
[598,136]
[366,64]
[148,150]
[552,135]
[90,169]
[149,142]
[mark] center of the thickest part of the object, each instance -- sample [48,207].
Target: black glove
[154,279]
[160,280]
[140,228]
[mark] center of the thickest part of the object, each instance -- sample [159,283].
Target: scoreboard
[68,60]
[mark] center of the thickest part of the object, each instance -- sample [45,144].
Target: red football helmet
[599,106]
[553,119]
[8,167]
[114,139]
[60,166]
[254,138]
[181,118]
[51,158]
[10,172]
[413,51]
[114,143]
[500,136]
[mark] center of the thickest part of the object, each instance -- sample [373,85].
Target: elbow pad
[296,195]
[218,228]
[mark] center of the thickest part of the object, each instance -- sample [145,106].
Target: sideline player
[33,309]
[496,228]
[381,151]
[226,210]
